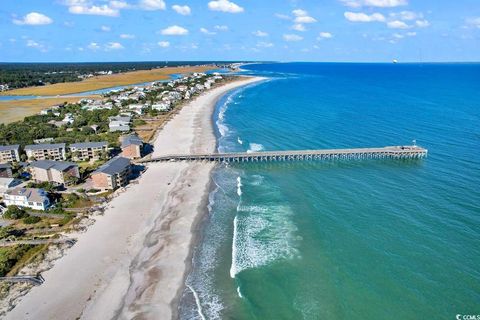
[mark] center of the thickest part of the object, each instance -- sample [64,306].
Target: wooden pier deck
[391,152]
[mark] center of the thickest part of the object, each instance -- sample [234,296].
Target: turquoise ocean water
[379,239]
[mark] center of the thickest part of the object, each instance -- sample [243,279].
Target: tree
[15,213]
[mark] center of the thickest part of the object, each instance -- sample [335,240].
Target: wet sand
[132,262]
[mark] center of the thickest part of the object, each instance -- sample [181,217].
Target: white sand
[131,263]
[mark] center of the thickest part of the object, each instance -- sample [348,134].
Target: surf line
[197,301]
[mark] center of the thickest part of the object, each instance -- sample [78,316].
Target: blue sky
[281,30]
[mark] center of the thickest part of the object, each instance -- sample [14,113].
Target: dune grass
[15,110]
[107,81]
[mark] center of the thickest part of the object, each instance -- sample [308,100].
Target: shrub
[31,219]
[14,212]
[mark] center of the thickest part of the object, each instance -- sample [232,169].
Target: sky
[254,30]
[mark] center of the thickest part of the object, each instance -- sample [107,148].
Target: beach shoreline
[128,267]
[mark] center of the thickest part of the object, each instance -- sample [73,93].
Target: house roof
[131,139]
[113,166]
[45,146]
[33,195]
[50,164]
[83,145]
[10,147]
[119,118]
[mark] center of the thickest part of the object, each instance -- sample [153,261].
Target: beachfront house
[50,151]
[5,170]
[36,199]
[10,153]
[56,172]
[88,150]
[112,175]
[162,106]
[119,123]
[132,146]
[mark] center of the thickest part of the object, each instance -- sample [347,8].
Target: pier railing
[392,152]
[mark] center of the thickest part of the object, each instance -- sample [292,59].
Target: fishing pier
[392,152]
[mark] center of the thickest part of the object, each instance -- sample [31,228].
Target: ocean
[370,239]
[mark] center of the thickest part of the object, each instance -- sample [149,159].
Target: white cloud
[265,44]
[397,24]
[260,33]
[422,23]
[325,35]
[406,15]
[374,3]
[163,44]
[33,19]
[301,16]
[103,10]
[152,5]
[225,6]
[93,46]
[119,4]
[398,36]
[105,28]
[127,36]
[363,17]
[114,46]
[34,44]
[299,27]
[221,28]
[385,3]
[411,34]
[206,31]
[174,31]
[282,16]
[292,37]
[474,22]
[183,10]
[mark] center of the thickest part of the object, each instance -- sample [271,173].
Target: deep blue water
[379,239]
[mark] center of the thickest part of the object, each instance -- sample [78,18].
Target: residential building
[5,170]
[36,199]
[8,183]
[88,150]
[132,146]
[10,153]
[46,151]
[119,123]
[57,172]
[113,174]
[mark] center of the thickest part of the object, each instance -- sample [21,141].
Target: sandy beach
[132,262]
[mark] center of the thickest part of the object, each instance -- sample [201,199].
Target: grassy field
[15,110]
[107,81]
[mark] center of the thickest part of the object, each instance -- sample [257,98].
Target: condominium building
[57,172]
[113,174]
[132,146]
[88,150]
[49,151]
[10,153]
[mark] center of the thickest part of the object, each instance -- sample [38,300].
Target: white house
[36,199]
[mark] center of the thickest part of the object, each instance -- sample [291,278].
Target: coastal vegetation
[106,81]
[21,75]
[16,110]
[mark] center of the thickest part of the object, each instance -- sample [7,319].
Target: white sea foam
[233,267]
[255,147]
[257,180]
[239,140]
[239,186]
[197,302]
[239,293]
[261,235]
